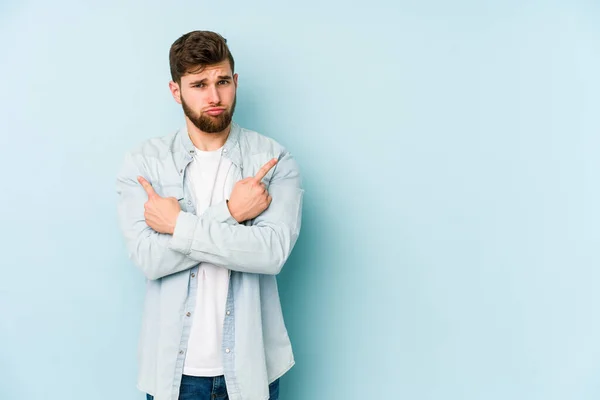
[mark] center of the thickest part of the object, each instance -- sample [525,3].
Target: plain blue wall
[450,153]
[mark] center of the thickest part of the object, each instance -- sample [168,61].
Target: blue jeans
[205,388]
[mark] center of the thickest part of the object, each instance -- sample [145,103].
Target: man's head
[203,81]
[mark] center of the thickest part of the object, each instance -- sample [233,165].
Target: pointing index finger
[147,187]
[264,170]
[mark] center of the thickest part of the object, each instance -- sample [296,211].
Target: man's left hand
[160,212]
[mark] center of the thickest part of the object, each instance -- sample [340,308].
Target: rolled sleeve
[183,233]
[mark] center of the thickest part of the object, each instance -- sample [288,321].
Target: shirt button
[188,314]
[228,312]
[180,351]
[227,350]
[193,275]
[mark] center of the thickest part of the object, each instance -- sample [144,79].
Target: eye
[199,85]
[223,82]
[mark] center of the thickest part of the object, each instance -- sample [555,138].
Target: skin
[208,101]
[213,87]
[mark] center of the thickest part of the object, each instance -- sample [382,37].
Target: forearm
[151,251]
[261,249]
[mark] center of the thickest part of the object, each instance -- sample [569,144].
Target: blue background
[450,155]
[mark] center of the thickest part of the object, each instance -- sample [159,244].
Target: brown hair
[195,50]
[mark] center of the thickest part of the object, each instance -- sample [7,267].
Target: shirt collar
[184,148]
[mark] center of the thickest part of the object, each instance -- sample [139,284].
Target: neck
[207,141]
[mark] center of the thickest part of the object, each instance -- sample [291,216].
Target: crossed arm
[162,239]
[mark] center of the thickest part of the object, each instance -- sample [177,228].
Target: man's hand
[249,197]
[160,213]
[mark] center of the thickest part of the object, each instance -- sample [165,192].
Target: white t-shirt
[204,354]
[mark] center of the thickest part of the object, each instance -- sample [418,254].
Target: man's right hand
[249,197]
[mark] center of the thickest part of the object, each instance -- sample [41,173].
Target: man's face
[208,97]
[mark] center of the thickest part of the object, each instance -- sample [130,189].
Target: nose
[213,95]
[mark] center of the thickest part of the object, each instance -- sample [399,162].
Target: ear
[235,80]
[175,91]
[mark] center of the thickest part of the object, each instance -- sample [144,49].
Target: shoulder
[252,143]
[154,147]
[258,149]
[147,153]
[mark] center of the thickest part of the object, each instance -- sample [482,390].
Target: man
[210,215]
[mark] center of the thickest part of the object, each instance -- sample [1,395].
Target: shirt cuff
[183,234]
[220,213]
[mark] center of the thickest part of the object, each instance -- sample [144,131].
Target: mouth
[215,111]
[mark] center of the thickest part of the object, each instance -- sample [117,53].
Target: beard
[207,123]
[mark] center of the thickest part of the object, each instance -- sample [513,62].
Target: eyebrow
[220,77]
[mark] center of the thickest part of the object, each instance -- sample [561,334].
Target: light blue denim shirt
[256,347]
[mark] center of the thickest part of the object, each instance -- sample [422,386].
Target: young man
[210,215]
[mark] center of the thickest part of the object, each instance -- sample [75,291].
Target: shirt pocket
[175,191]
[170,191]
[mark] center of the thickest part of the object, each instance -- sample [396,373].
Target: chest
[191,180]
[210,180]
